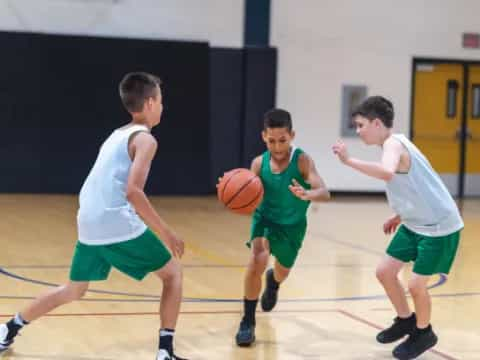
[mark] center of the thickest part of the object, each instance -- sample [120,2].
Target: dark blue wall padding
[226,109]
[59,101]
[260,68]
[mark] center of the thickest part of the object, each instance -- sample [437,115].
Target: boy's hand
[340,149]
[176,244]
[391,224]
[219,179]
[298,190]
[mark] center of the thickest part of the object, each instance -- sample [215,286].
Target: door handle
[468,134]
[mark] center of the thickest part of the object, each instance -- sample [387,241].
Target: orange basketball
[240,190]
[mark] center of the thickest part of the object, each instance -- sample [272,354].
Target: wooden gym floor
[330,308]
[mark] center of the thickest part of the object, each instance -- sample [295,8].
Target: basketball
[240,190]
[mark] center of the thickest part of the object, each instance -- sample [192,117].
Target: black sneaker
[6,337]
[416,344]
[398,330]
[246,334]
[270,294]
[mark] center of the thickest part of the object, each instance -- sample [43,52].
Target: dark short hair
[277,118]
[135,88]
[376,107]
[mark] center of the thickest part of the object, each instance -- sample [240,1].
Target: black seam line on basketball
[228,180]
[233,196]
[251,202]
[240,190]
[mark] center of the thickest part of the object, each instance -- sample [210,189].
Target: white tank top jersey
[420,198]
[105,215]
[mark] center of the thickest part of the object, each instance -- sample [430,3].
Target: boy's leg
[74,290]
[285,243]
[435,255]
[42,305]
[273,278]
[148,254]
[423,337]
[171,276]
[387,273]
[87,265]
[252,287]
[417,286]
[280,272]
[256,266]
[404,323]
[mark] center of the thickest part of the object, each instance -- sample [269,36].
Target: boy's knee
[260,255]
[172,272]
[74,292]
[383,273]
[260,258]
[416,288]
[258,263]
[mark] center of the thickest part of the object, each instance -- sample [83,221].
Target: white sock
[19,320]
[165,332]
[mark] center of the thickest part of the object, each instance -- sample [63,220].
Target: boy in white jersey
[115,218]
[429,219]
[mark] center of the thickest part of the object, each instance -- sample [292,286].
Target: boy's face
[278,141]
[368,130]
[154,108]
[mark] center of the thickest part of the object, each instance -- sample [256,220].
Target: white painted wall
[218,21]
[326,43]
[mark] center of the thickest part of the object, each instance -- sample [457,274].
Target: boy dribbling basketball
[290,182]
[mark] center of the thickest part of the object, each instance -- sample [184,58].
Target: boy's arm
[391,224]
[256,165]
[384,170]
[142,149]
[318,191]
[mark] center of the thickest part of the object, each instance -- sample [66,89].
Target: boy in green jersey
[290,182]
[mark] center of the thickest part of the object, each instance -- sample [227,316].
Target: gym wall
[324,45]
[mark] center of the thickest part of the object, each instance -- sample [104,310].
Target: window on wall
[476,101]
[352,96]
[452,91]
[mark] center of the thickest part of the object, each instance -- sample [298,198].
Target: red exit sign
[471,40]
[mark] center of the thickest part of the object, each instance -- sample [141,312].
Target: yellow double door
[446,122]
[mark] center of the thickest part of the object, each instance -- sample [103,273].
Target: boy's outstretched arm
[318,191]
[142,149]
[384,170]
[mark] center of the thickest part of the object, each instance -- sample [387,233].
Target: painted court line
[148,313]
[152,298]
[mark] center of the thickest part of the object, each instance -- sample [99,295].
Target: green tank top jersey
[279,205]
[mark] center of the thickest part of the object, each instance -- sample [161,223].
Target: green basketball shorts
[432,255]
[136,258]
[285,240]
